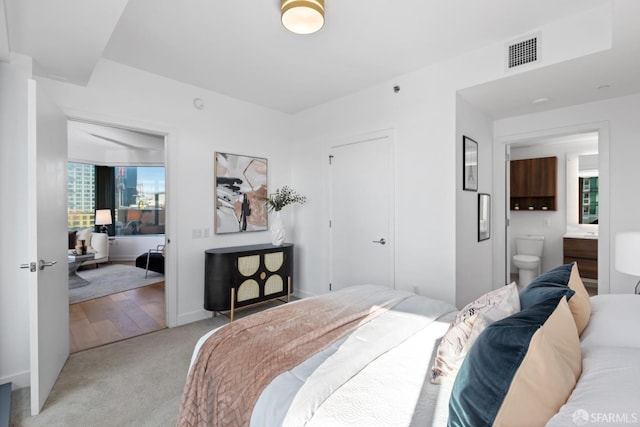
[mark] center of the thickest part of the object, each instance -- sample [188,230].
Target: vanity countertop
[580,235]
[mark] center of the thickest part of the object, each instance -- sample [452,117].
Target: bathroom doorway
[577,164]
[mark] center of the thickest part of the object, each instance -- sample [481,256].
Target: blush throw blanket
[237,362]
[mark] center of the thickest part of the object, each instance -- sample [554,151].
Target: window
[139,197]
[139,200]
[589,200]
[81,183]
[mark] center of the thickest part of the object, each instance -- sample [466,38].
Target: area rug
[111,279]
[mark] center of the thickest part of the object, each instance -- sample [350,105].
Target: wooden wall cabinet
[534,184]
[240,276]
[585,253]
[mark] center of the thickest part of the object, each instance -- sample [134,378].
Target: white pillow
[466,327]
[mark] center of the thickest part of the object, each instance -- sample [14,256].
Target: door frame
[363,138]
[170,152]
[502,253]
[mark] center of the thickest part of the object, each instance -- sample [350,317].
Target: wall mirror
[484,217]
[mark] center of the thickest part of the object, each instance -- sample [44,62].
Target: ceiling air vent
[521,52]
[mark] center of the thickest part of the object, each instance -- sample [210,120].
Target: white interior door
[47,243]
[362,240]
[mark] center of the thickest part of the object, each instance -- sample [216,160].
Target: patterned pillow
[468,325]
[523,367]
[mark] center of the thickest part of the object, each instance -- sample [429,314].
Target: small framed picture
[484,216]
[469,164]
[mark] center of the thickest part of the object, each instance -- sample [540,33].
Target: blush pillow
[580,303]
[466,328]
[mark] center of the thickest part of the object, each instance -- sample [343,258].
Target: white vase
[278,232]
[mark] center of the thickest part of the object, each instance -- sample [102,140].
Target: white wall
[132,98]
[423,117]
[474,259]
[618,153]
[128,248]
[425,147]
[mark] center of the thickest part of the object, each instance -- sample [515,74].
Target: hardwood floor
[116,317]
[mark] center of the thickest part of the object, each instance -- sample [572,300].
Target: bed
[371,356]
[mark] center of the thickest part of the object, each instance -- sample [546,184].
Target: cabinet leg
[288,288]
[233,303]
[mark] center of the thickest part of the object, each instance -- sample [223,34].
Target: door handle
[381,241]
[31,266]
[42,264]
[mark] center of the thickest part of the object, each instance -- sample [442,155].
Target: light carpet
[111,279]
[136,382]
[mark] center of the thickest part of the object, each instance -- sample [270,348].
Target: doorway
[554,225]
[120,171]
[361,211]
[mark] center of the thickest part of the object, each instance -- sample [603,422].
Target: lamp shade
[628,253]
[302,16]
[103,217]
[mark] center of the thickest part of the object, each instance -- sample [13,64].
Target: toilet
[528,258]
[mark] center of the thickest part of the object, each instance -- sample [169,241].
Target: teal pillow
[551,284]
[559,275]
[486,374]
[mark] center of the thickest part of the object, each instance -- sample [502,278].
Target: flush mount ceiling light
[302,16]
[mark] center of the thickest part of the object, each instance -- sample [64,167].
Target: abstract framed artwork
[241,192]
[484,217]
[469,164]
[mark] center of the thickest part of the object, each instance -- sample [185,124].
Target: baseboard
[302,294]
[19,380]
[121,258]
[194,316]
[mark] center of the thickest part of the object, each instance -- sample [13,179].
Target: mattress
[377,375]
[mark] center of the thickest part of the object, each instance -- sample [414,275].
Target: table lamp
[628,254]
[103,218]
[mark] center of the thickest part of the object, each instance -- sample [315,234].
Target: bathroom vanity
[584,250]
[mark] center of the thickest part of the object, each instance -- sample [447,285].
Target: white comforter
[608,390]
[376,376]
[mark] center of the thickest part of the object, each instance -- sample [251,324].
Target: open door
[47,243]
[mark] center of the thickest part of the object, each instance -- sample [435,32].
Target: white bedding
[376,376]
[608,390]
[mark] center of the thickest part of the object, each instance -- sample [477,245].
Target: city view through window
[139,199]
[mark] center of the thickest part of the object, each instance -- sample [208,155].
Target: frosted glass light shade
[628,253]
[302,16]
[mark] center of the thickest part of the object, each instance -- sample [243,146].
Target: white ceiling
[240,49]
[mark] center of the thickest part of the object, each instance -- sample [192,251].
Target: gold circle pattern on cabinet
[274,284]
[273,261]
[249,289]
[248,265]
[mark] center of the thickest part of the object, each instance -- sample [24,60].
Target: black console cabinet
[239,276]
